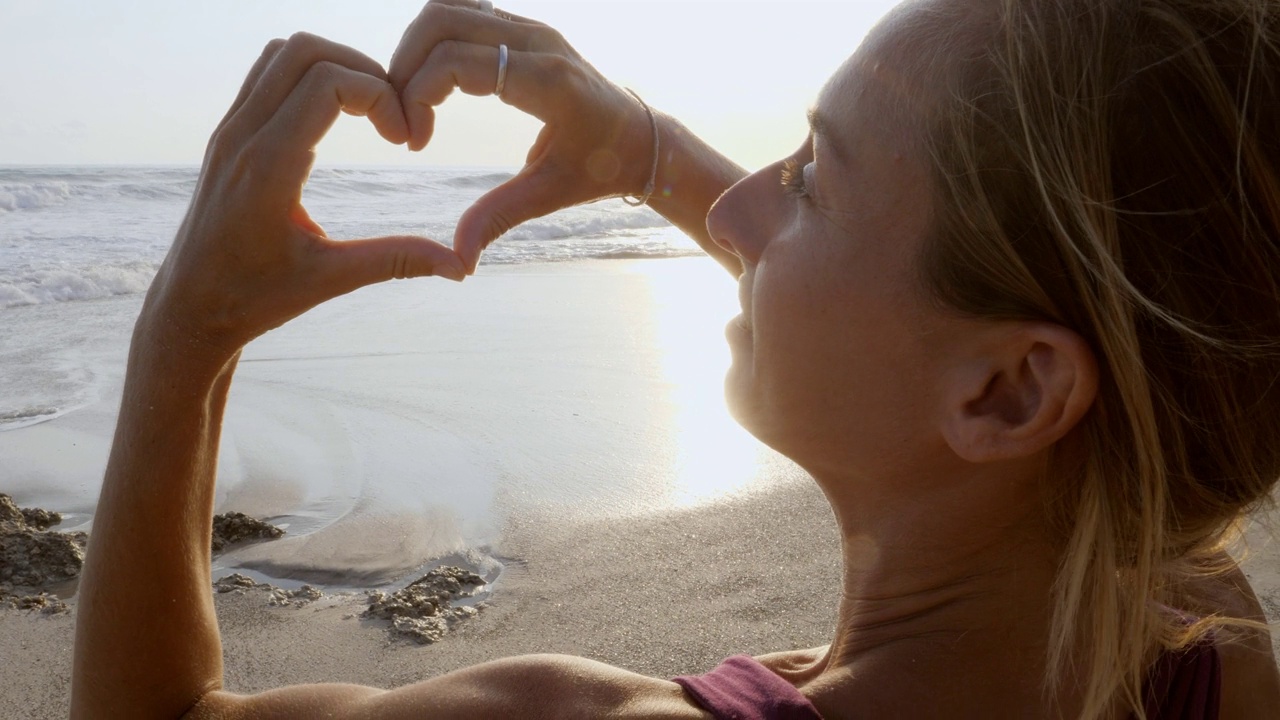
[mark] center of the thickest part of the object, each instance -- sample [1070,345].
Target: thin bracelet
[638,200]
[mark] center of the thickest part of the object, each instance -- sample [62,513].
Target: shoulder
[1250,679]
[531,687]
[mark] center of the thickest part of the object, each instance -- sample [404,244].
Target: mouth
[739,329]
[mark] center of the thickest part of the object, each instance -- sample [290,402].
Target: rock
[47,604]
[235,582]
[423,610]
[423,630]
[33,518]
[40,558]
[297,597]
[276,596]
[32,556]
[9,512]
[231,528]
[41,519]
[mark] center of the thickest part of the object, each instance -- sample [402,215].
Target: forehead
[901,70]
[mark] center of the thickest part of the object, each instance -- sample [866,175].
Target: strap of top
[1185,684]
[742,689]
[1182,685]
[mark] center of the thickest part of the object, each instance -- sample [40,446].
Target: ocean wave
[646,254]
[346,184]
[172,190]
[517,255]
[14,419]
[484,181]
[564,227]
[65,285]
[34,195]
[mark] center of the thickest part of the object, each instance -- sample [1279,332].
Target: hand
[248,258]
[596,143]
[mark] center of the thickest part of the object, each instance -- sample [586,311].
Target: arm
[246,259]
[697,176]
[596,141]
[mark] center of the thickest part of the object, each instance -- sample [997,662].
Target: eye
[795,179]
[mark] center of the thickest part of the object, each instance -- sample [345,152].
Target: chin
[744,405]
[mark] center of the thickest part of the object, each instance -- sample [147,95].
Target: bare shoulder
[533,687]
[1250,678]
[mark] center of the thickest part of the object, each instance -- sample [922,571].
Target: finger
[440,21]
[284,148]
[251,80]
[530,194]
[533,82]
[286,70]
[344,266]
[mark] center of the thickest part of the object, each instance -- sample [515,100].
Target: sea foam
[32,196]
[68,285]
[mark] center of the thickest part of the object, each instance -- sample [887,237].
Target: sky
[144,82]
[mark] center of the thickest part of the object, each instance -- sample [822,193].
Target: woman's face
[835,356]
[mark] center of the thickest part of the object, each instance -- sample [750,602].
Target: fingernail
[451,273]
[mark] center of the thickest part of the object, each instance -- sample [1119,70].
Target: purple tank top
[1182,685]
[1185,684]
[742,689]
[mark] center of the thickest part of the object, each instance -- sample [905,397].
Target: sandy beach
[663,595]
[618,542]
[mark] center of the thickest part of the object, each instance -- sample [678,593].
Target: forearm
[691,177]
[146,639]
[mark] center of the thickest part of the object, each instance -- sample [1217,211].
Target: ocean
[578,373]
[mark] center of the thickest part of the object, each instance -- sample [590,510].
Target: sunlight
[693,299]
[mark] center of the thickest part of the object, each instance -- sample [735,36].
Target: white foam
[572,225]
[69,285]
[31,196]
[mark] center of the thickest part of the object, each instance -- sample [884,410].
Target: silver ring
[486,6]
[502,70]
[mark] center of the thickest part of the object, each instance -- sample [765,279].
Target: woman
[1015,305]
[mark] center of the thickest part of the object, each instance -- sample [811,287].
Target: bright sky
[145,81]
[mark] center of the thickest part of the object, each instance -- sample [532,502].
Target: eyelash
[793,179]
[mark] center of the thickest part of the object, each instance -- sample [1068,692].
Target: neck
[946,597]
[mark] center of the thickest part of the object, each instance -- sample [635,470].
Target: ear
[1025,388]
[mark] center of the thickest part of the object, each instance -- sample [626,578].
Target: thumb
[348,265]
[530,194]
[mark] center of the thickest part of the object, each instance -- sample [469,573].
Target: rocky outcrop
[34,557]
[234,528]
[425,610]
[44,602]
[276,596]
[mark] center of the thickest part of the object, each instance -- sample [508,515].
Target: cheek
[835,369]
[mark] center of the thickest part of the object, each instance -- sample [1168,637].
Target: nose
[740,221]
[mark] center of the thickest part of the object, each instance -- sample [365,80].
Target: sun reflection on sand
[714,457]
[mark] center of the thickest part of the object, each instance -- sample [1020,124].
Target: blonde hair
[1112,166]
